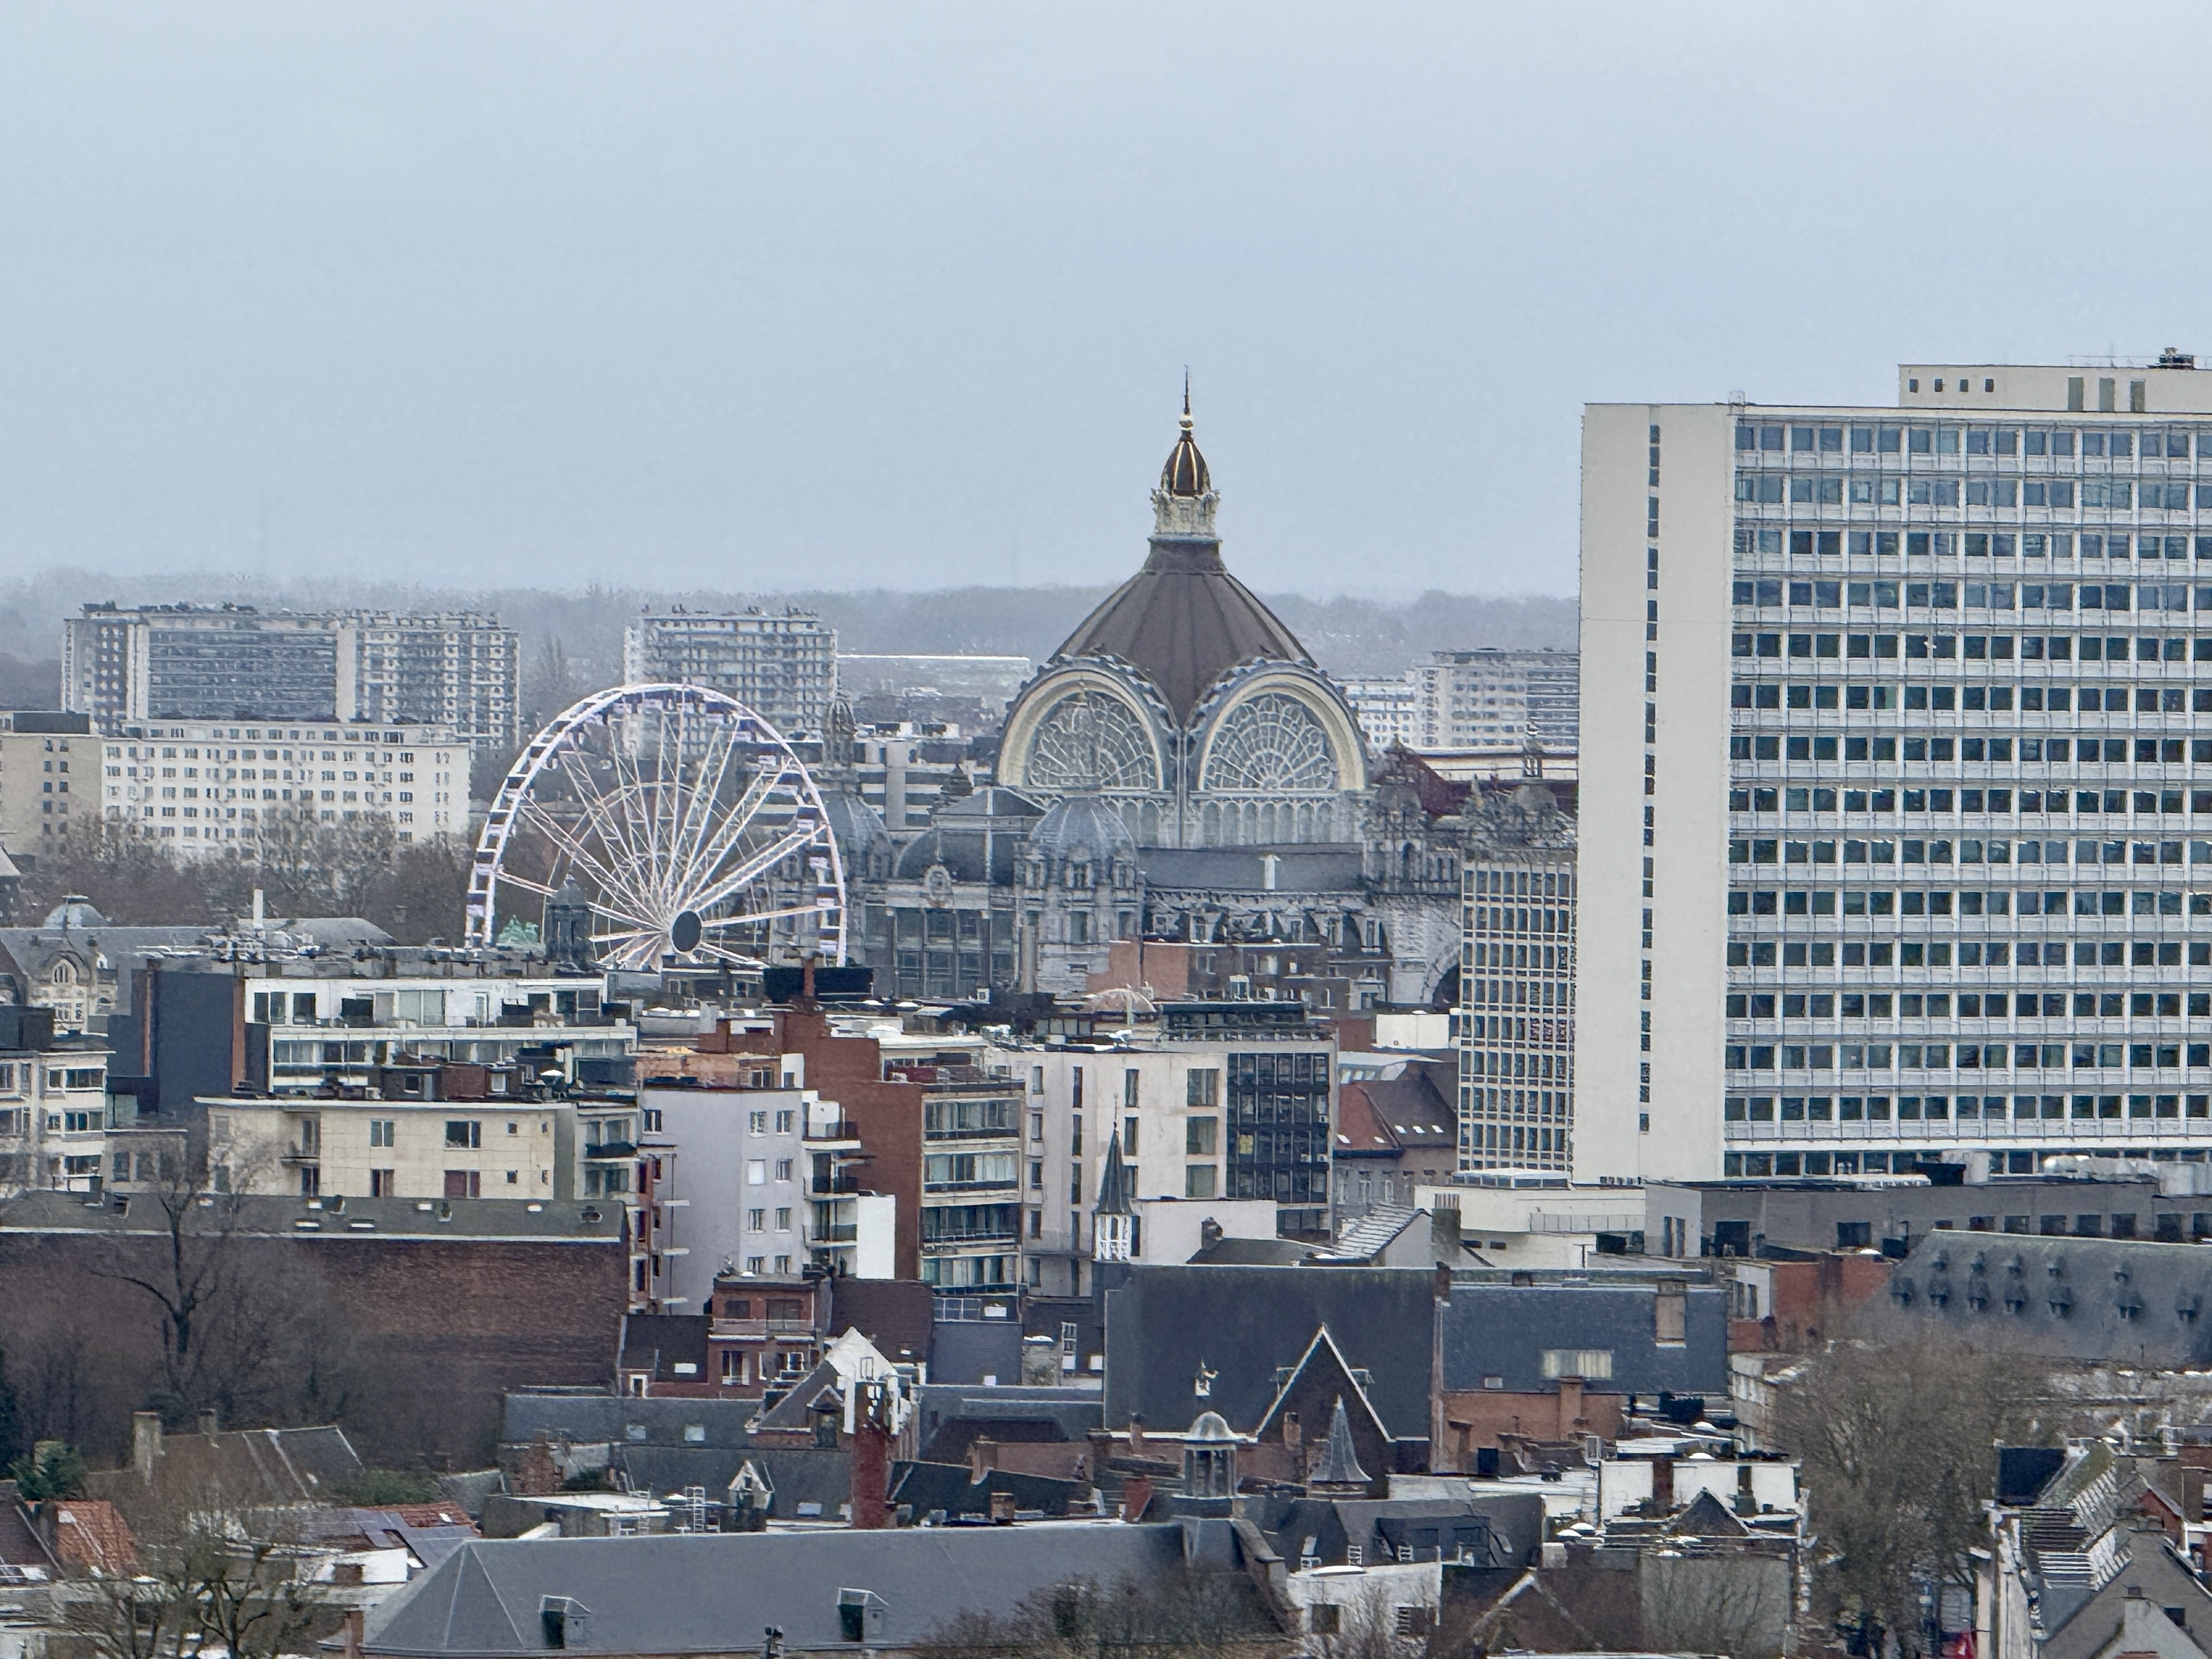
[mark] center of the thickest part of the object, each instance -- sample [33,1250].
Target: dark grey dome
[1082,826]
[1185,473]
[859,830]
[977,838]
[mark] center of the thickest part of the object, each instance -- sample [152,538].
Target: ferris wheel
[692,829]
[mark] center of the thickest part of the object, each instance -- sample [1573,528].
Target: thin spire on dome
[1185,476]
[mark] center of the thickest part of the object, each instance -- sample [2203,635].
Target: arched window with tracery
[1091,741]
[1271,744]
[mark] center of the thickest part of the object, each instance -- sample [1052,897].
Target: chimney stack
[1136,1435]
[1570,1406]
[982,1458]
[871,1454]
[208,1419]
[145,1442]
[1662,1485]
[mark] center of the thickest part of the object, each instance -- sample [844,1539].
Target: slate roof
[1247,1324]
[897,1315]
[1299,869]
[947,1486]
[254,1466]
[1183,621]
[977,838]
[951,1415]
[796,1474]
[2067,1298]
[1081,824]
[658,1343]
[701,1593]
[1251,1253]
[1494,1329]
[594,1418]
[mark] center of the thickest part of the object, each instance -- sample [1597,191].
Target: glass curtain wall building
[1910,832]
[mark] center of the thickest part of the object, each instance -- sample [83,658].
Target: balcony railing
[1006,1236]
[841,1232]
[842,1129]
[760,1329]
[612,1149]
[1010,1133]
[833,1186]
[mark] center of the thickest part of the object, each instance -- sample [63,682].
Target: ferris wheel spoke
[754,918]
[592,799]
[743,816]
[608,912]
[753,868]
[706,793]
[508,876]
[580,852]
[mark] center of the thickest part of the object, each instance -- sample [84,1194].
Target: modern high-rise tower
[1896,834]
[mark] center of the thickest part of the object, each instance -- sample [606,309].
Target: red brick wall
[1468,1419]
[425,1336]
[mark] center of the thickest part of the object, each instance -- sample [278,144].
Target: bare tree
[1180,1615]
[130,878]
[1897,1440]
[243,1320]
[210,1574]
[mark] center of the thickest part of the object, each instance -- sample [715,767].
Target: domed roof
[1210,1426]
[856,825]
[1185,473]
[977,838]
[1081,824]
[1183,620]
[74,911]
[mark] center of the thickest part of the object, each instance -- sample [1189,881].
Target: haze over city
[846,297]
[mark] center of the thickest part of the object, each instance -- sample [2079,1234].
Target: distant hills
[1350,637]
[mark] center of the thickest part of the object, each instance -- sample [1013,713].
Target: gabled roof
[1164,1322]
[1706,1516]
[684,1594]
[1323,1359]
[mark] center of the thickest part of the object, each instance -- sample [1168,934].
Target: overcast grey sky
[809,295]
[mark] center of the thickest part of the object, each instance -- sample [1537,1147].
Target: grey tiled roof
[1492,1329]
[1246,1323]
[712,1593]
[2067,1299]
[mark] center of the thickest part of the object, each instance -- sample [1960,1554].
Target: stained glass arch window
[1091,740]
[1272,743]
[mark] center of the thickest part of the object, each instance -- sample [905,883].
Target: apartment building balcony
[833,1186]
[832,1133]
[612,1149]
[944,1242]
[760,1330]
[836,1232]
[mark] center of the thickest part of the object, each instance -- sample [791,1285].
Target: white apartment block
[1389,711]
[330,1030]
[1241,1108]
[1491,699]
[783,667]
[162,663]
[1889,781]
[209,789]
[54,1118]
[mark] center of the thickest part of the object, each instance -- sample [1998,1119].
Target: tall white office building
[1891,843]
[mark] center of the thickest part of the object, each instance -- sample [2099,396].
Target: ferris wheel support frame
[695,829]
